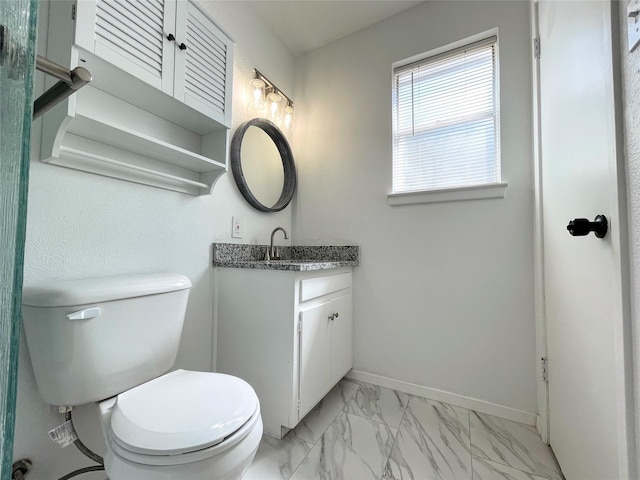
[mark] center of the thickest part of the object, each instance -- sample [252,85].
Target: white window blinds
[445,120]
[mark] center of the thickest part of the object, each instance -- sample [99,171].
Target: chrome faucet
[273,253]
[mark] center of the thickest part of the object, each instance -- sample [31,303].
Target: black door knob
[182,46]
[579,227]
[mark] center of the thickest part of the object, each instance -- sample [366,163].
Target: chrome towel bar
[69,83]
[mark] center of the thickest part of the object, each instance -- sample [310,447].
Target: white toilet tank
[95,338]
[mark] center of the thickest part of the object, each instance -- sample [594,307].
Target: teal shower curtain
[17,60]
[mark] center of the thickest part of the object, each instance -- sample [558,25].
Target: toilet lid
[181,412]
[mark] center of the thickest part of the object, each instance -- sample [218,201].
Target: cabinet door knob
[182,46]
[170,37]
[336,314]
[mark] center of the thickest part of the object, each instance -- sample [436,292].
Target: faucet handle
[267,255]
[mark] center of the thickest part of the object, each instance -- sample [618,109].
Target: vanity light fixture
[279,107]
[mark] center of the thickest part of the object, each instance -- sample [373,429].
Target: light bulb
[288,116]
[257,88]
[274,100]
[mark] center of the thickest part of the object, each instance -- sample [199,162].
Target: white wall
[82,225]
[444,292]
[631,87]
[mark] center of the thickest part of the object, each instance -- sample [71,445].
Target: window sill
[456,194]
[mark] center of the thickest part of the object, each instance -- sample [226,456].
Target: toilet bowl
[110,341]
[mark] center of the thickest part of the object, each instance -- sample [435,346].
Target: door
[18,21]
[341,337]
[584,286]
[315,361]
[137,37]
[204,64]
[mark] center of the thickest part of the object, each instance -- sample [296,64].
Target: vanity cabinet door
[204,64]
[326,335]
[341,337]
[315,361]
[132,36]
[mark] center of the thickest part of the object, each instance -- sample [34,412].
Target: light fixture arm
[271,86]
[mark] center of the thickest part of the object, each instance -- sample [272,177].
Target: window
[445,120]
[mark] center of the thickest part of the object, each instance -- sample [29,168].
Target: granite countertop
[296,258]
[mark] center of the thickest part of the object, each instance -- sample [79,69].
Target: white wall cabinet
[289,334]
[170,45]
[162,82]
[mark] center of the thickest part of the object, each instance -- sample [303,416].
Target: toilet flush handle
[86,314]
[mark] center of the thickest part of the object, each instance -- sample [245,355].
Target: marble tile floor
[361,431]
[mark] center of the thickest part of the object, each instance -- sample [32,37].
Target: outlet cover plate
[236,227]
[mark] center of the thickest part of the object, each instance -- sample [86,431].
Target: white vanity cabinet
[289,334]
[169,44]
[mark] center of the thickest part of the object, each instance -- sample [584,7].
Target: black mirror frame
[289,187]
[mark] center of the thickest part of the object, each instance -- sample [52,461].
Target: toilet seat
[158,419]
[254,423]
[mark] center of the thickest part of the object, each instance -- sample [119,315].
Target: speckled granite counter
[296,258]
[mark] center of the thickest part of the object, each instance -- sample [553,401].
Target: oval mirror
[262,165]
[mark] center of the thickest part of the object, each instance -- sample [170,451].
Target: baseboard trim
[442,396]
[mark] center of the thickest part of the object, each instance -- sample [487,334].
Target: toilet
[111,341]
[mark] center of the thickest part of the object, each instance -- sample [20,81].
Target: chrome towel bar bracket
[69,82]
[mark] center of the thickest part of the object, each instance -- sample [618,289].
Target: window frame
[462,192]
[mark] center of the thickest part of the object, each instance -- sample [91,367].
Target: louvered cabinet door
[131,35]
[204,64]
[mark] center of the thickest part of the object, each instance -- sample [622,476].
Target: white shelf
[142,144]
[132,122]
[98,133]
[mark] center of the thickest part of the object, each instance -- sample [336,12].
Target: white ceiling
[303,25]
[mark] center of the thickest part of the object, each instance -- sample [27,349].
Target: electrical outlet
[236,227]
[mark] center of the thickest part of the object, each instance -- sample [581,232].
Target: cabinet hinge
[544,369]
[73,11]
[536,47]
[299,326]
[298,406]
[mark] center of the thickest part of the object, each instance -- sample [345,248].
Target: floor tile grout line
[510,466]
[373,420]
[376,421]
[395,438]
[301,461]
[346,402]
[481,456]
